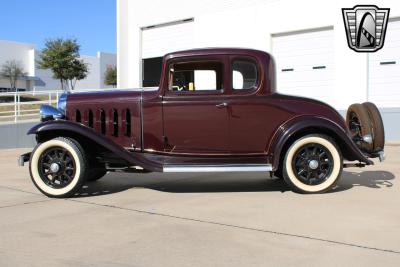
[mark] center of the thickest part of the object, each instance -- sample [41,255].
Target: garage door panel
[298,76]
[306,37]
[384,70]
[309,56]
[158,41]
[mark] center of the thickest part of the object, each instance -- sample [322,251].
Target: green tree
[61,56]
[12,70]
[110,76]
[77,71]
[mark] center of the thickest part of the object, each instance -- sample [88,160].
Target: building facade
[307,39]
[37,79]
[24,54]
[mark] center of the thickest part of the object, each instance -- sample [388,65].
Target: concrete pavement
[218,219]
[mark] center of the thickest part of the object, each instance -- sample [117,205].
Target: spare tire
[359,124]
[378,130]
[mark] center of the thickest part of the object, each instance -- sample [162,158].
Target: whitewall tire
[312,164]
[58,167]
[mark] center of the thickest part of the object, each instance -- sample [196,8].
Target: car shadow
[370,179]
[221,182]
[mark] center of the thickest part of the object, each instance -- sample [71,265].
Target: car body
[236,122]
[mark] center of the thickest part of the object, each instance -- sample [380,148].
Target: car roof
[217,51]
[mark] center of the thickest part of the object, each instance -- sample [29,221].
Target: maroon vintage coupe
[215,110]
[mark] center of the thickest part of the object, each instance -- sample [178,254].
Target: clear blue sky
[92,22]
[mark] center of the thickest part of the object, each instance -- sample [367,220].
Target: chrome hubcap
[54,167]
[313,164]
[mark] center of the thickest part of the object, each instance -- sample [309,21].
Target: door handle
[222,105]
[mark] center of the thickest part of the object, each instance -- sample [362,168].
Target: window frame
[249,59]
[221,60]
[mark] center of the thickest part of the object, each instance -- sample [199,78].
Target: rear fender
[291,130]
[66,128]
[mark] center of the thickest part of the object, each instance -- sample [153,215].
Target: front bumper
[24,158]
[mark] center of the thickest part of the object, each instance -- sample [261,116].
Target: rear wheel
[58,167]
[312,164]
[378,131]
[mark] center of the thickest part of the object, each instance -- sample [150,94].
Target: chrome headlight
[62,103]
[50,113]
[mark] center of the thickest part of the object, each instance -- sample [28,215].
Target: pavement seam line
[219,224]
[20,190]
[26,203]
[239,227]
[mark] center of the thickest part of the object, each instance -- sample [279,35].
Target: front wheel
[58,167]
[312,164]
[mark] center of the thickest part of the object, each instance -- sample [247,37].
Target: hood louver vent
[113,122]
[90,121]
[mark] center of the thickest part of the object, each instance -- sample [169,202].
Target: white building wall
[22,53]
[41,79]
[92,80]
[106,60]
[250,24]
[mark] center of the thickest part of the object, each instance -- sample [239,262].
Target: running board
[219,168]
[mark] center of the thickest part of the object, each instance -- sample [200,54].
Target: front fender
[311,124]
[65,127]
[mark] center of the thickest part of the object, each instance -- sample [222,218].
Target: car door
[194,108]
[249,111]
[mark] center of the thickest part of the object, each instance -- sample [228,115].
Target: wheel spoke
[63,153]
[306,158]
[314,151]
[65,172]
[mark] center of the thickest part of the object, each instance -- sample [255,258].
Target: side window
[196,76]
[244,74]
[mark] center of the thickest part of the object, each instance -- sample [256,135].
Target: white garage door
[160,40]
[304,64]
[384,70]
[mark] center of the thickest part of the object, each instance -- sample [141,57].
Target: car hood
[107,100]
[105,96]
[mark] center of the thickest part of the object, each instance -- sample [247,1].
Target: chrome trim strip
[219,168]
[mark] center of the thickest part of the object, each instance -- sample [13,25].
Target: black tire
[359,124]
[312,164]
[71,161]
[279,173]
[95,174]
[378,130]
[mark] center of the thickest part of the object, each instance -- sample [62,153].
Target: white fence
[17,106]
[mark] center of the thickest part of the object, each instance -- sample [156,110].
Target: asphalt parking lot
[241,219]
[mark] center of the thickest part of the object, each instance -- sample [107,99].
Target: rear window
[244,74]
